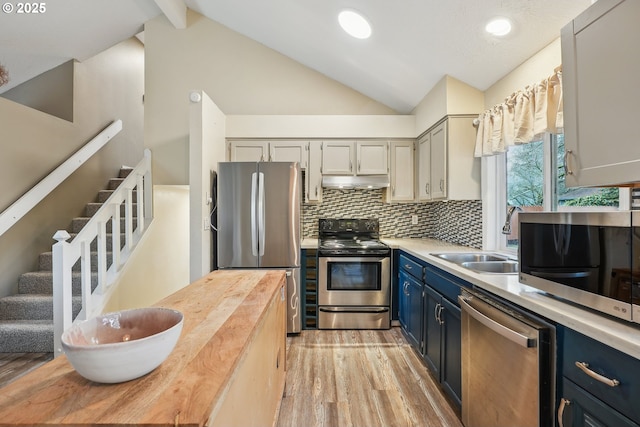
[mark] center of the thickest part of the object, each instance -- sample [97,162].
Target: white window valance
[522,117]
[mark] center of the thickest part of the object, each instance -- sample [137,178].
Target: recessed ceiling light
[499,27]
[354,24]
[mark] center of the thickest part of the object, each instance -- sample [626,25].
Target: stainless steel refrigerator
[259,222]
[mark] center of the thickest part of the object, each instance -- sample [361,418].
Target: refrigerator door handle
[261,213]
[254,225]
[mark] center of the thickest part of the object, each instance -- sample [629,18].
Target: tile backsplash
[457,221]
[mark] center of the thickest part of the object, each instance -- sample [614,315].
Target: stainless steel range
[354,275]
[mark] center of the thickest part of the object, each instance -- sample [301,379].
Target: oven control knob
[326,224]
[370,225]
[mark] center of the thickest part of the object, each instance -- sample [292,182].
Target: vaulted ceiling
[413,45]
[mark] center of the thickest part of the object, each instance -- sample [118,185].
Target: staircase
[26,318]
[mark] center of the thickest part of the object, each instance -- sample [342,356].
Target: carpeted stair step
[26,319]
[114,183]
[103,195]
[26,336]
[45,261]
[41,282]
[32,307]
[94,244]
[91,209]
[78,223]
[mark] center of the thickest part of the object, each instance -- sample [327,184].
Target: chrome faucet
[506,228]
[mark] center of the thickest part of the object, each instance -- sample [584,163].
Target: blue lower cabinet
[600,385]
[410,309]
[578,408]
[442,339]
[432,324]
[433,327]
[451,357]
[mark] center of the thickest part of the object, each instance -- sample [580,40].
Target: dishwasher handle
[516,337]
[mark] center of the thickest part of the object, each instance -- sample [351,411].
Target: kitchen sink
[481,262]
[460,257]
[494,267]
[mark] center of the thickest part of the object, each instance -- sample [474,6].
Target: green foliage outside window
[525,179]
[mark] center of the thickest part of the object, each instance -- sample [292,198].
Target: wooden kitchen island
[227,369]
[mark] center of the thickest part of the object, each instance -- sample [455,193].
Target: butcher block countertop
[221,311]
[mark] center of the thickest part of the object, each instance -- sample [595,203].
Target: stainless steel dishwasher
[508,359]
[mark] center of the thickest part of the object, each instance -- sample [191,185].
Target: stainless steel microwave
[583,257]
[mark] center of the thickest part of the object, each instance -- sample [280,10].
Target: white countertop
[309,243]
[617,334]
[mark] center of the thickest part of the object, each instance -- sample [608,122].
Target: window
[528,178]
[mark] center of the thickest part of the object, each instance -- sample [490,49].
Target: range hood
[364,182]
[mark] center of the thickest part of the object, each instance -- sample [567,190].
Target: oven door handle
[346,259]
[354,309]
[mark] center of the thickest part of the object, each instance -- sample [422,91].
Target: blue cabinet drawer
[443,284]
[608,363]
[412,267]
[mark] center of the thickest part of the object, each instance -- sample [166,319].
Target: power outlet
[414,219]
[207,224]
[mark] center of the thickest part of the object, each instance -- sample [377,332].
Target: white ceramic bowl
[124,345]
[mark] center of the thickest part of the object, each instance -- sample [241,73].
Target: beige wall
[107,87]
[206,149]
[160,264]
[241,76]
[321,126]
[448,97]
[51,92]
[536,68]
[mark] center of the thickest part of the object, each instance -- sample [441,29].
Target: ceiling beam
[175,11]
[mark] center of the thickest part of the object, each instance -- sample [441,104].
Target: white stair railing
[66,254]
[31,198]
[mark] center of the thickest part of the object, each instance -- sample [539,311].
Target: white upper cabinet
[338,157]
[355,158]
[248,151]
[423,190]
[313,178]
[270,151]
[401,173]
[446,168]
[439,162]
[601,67]
[289,151]
[372,157]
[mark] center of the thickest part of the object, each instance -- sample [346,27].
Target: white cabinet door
[338,157]
[289,151]
[372,157]
[424,168]
[445,162]
[402,174]
[439,161]
[248,151]
[313,177]
[600,70]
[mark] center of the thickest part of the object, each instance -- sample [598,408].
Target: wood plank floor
[15,365]
[359,378]
[336,378]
